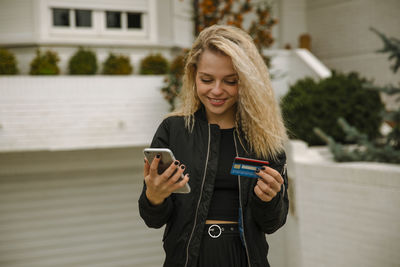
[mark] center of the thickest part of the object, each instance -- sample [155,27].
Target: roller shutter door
[74,208]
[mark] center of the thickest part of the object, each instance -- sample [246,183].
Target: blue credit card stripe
[246,167]
[244,173]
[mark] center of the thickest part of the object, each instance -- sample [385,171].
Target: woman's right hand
[161,186]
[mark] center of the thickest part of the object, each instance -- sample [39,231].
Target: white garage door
[74,208]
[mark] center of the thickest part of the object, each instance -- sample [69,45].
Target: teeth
[217,100]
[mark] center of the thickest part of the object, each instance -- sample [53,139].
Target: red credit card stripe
[252,160]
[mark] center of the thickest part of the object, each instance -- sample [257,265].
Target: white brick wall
[73,112]
[41,113]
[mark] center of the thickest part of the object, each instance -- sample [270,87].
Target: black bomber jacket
[185,214]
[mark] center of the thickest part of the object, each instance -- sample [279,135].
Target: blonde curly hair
[258,113]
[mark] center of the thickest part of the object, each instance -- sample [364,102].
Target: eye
[231,82]
[206,80]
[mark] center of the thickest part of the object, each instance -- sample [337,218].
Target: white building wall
[27,25]
[164,22]
[292,22]
[183,26]
[16,21]
[342,40]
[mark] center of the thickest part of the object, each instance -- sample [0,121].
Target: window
[83,18]
[61,17]
[113,19]
[134,20]
[87,21]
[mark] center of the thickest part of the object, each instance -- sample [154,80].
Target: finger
[154,165]
[269,180]
[170,170]
[261,195]
[177,175]
[146,168]
[266,188]
[181,183]
[274,173]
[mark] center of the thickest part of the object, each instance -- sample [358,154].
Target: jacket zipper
[201,193]
[241,207]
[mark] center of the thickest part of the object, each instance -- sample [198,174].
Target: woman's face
[217,87]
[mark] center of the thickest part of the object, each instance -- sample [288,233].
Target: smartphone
[247,167]
[167,158]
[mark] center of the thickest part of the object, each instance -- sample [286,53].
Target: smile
[217,102]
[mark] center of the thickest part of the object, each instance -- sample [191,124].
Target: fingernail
[176,162]
[263,168]
[258,170]
[158,156]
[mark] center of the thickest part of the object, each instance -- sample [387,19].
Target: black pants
[221,246]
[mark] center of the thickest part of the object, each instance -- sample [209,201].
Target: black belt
[216,230]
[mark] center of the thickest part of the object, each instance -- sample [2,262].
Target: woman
[227,109]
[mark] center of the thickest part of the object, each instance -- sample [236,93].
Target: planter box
[345,214]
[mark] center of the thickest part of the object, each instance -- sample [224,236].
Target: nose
[217,88]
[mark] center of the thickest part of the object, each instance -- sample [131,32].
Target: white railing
[288,66]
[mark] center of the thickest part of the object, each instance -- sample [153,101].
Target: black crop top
[225,200]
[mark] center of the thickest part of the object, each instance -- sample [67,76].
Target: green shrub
[178,64]
[311,104]
[173,81]
[117,65]
[45,64]
[8,63]
[154,64]
[83,62]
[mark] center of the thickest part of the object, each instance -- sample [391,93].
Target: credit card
[247,167]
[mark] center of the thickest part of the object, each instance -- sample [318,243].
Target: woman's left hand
[269,183]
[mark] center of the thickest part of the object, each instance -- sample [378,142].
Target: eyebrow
[227,76]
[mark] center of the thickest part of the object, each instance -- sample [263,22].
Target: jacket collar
[200,114]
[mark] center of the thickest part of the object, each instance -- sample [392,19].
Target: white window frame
[124,24]
[71,29]
[99,20]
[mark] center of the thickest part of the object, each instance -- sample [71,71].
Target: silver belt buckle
[212,228]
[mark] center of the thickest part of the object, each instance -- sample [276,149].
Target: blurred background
[84,85]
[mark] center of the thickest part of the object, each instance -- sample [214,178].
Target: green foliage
[363,149]
[311,104]
[391,46]
[367,148]
[8,63]
[45,64]
[154,64]
[117,65]
[173,81]
[83,62]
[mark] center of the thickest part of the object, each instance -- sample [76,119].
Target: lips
[217,102]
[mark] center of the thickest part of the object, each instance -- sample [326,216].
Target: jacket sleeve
[156,216]
[270,216]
